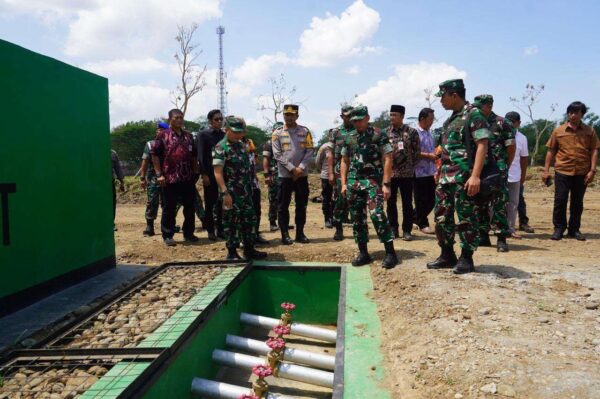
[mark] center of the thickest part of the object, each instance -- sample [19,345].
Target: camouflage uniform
[253,157]
[502,136]
[153,189]
[450,194]
[274,186]
[337,137]
[240,220]
[365,175]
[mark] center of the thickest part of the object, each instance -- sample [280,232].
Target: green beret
[359,113]
[235,123]
[483,99]
[452,84]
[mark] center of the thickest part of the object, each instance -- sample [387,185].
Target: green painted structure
[55,175]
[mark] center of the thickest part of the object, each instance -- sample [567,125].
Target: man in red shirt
[174,157]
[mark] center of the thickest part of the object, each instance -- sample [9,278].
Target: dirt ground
[526,324]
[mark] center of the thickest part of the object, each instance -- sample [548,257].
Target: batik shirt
[405,150]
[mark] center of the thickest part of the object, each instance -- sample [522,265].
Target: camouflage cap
[235,124]
[277,125]
[483,99]
[347,109]
[452,84]
[359,113]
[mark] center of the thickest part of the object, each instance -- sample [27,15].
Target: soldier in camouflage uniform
[153,190]
[233,174]
[459,182]
[340,203]
[366,164]
[503,147]
[256,196]
[271,179]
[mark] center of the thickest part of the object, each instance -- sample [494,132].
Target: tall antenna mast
[221,77]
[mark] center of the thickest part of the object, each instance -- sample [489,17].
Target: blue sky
[383,52]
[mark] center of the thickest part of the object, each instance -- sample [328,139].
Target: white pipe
[214,389]
[303,330]
[286,370]
[290,354]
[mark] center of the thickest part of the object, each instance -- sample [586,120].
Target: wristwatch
[388,184]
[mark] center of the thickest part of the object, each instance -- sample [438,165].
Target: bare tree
[274,102]
[192,75]
[430,96]
[526,104]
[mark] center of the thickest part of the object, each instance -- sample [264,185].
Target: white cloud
[132,103]
[353,70]
[333,38]
[47,11]
[133,28]
[531,50]
[406,86]
[121,66]
[255,71]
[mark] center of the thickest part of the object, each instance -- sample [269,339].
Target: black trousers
[563,186]
[213,215]
[185,193]
[405,185]
[522,208]
[256,205]
[327,193]
[424,199]
[300,190]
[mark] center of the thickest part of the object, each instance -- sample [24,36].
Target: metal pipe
[290,354]
[304,330]
[286,370]
[215,389]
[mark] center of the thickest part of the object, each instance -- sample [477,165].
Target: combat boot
[446,260]
[391,259]
[484,239]
[250,253]
[285,238]
[232,254]
[465,263]
[149,231]
[502,245]
[363,257]
[339,232]
[300,237]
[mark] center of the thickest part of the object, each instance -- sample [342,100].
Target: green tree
[530,131]
[382,121]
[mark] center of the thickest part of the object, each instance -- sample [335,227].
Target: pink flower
[248,396]
[276,343]
[281,330]
[262,371]
[288,306]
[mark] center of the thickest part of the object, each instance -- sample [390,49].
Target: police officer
[459,182]
[271,179]
[323,159]
[503,146]
[366,165]
[233,175]
[293,151]
[340,203]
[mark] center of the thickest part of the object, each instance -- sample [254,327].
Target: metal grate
[134,317]
[67,376]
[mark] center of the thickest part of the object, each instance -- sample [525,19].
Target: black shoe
[464,264]
[557,235]
[526,228]
[212,236]
[273,227]
[149,231]
[484,240]
[328,224]
[221,235]
[191,238]
[363,257]
[260,240]
[232,254]
[301,238]
[502,245]
[391,259]
[250,253]
[169,242]
[339,233]
[396,232]
[446,260]
[285,238]
[576,235]
[177,229]
[406,236]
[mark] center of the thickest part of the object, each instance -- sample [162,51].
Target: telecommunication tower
[221,78]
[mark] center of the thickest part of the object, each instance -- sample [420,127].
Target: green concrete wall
[56,150]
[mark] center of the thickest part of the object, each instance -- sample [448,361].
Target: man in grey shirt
[293,151]
[322,161]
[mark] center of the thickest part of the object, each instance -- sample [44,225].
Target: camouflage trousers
[448,199]
[274,199]
[340,203]
[198,205]
[154,195]
[365,194]
[493,213]
[239,222]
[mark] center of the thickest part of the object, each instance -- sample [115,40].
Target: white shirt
[514,173]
